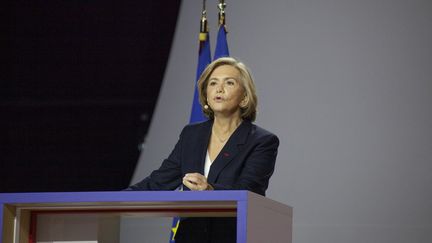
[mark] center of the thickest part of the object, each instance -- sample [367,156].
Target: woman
[227,152]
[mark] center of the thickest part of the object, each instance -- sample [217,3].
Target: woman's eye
[230,82]
[212,83]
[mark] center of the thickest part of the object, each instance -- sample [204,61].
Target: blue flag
[204,59]
[221,44]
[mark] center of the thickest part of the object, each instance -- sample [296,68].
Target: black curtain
[79,91]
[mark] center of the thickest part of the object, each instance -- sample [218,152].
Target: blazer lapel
[203,145]
[229,151]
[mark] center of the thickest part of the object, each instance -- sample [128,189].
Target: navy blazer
[246,162]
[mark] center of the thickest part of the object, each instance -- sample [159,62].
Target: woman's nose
[219,88]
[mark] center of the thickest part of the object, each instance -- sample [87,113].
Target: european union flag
[204,59]
[221,44]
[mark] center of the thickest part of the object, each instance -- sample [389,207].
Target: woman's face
[224,91]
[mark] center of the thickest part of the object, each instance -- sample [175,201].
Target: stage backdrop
[347,87]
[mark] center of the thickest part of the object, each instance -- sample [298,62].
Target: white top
[207,165]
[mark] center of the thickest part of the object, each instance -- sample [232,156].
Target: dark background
[79,90]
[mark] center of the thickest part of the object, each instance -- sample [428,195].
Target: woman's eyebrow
[224,78]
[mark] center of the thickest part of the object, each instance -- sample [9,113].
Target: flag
[204,59]
[221,44]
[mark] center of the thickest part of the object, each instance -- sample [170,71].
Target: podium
[259,219]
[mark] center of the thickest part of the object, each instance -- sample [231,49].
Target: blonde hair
[248,111]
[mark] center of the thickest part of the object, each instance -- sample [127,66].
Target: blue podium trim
[119,196]
[240,197]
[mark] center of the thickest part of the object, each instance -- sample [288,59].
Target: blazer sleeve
[257,169]
[168,176]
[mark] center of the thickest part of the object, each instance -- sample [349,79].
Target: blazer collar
[229,151]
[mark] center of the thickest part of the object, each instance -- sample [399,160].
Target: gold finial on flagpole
[221,7]
[203,23]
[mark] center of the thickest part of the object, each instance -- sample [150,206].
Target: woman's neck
[226,125]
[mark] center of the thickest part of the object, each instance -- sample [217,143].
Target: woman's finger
[192,179]
[195,181]
[189,185]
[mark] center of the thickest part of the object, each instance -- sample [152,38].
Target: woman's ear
[244,102]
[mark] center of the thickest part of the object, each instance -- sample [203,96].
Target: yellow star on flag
[174,230]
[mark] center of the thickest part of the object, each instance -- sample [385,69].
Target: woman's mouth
[218,98]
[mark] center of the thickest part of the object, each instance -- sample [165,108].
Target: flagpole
[203,24]
[221,44]
[221,7]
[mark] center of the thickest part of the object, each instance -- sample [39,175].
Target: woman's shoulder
[258,132]
[197,126]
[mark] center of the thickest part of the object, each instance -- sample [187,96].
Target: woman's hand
[196,182]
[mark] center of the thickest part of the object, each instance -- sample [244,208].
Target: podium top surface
[122,196]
